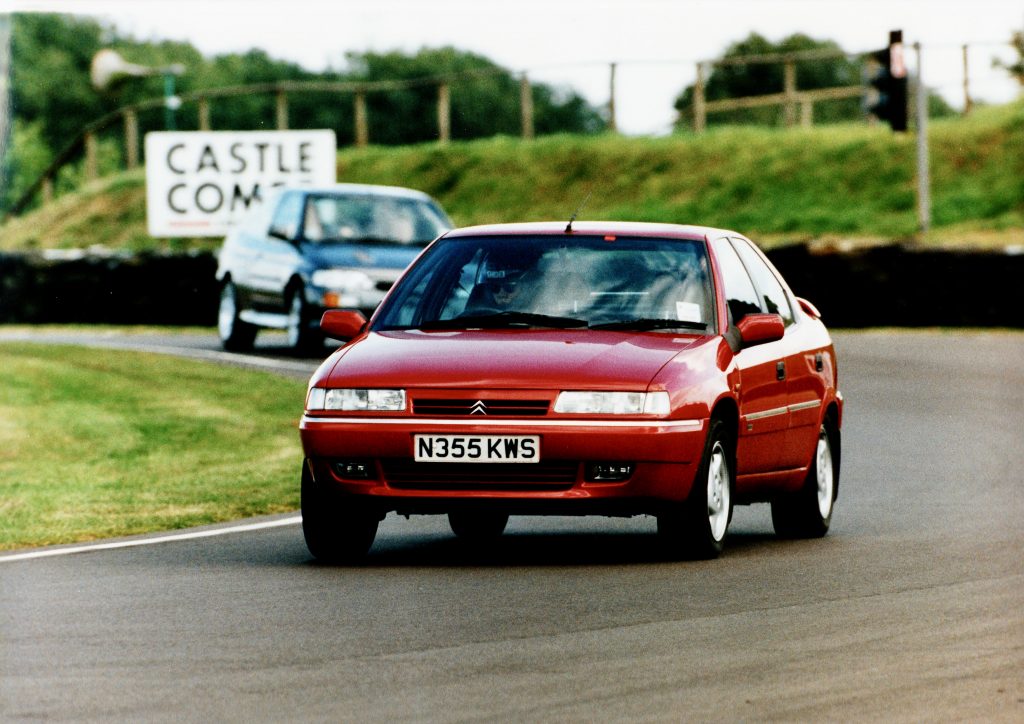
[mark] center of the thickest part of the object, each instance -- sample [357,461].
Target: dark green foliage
[53,99]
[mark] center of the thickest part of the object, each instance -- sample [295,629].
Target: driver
[500,281]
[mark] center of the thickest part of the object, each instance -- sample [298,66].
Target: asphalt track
[912,609]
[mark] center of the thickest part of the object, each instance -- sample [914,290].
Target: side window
[739,291]
[286,218]
[775,300]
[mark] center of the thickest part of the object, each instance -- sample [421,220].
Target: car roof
[351,189]
[626,228]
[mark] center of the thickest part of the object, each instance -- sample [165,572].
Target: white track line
[66,551]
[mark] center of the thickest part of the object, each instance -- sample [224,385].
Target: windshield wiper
[644,324]
[500,320]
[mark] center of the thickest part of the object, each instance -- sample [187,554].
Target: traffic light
[891,83]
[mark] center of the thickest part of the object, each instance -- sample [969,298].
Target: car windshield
[610,282]
[364,217]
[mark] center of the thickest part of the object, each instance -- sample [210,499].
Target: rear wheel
[808,512]
[477,526]
[235,335]
[697,528]
[337,529]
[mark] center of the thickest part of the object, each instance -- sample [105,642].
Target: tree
[52,98]
[485,98]
[1014,69]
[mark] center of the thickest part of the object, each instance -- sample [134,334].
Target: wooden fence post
[700,119]
[282,111]
[789,89]
[806,113]
[968,102]
[131,138]
[612,125]
[91,156]
[204,113]
[526,105]
[444,113]
[362,121]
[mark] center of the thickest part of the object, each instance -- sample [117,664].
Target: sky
[571,43]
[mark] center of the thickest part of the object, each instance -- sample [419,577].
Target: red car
[598,368]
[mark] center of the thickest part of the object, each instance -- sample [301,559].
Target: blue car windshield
[374,218]
[629,283]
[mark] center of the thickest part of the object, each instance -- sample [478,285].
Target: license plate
[477,448]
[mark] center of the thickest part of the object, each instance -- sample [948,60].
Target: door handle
[780,371]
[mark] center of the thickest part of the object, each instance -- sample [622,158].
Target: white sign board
[198,183]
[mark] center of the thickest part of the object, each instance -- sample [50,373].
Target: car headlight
[346,279]
[613,403]
[320,398]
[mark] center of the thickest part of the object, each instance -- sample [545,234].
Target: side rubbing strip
[767,413]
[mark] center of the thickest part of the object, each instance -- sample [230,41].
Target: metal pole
[924,200]
[968,103]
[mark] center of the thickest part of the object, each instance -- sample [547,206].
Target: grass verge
[832,182]
[100,443]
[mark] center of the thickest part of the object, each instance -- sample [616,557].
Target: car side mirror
[342,323]
[757,329]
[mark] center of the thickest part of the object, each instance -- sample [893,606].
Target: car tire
[477,526]
[697,528]
[808,512]
[337,529]
[302,338]
[235,335]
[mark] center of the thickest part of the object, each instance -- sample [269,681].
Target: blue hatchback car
[308,249]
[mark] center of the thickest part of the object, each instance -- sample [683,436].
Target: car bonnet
[510,359]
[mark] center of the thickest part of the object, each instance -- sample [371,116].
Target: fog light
[354,469]
[609,472]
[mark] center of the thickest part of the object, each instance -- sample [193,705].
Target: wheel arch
[295,281]
[726,410]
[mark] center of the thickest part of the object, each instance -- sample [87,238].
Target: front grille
[480,408]
[411,475]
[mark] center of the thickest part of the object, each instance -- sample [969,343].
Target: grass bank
[97,443]
[778,185]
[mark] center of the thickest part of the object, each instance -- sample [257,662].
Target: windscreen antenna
[568,227]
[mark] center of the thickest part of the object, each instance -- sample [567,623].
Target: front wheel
[808,512]
[697,528]
[235,335]
[302,338]
[336,529]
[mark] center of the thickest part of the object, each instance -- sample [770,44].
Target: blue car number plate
[476,448]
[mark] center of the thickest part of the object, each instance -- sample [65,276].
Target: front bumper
[664,455]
